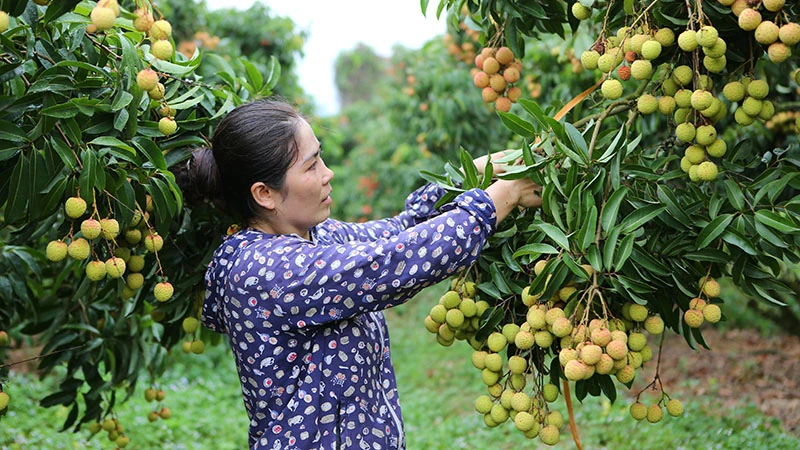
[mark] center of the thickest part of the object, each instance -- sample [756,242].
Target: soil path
[741,366]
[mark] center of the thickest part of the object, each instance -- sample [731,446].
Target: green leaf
[553,233]
[11,132]
[61,111]
[535,250]
[674,207]
[151,151]
[736,239]
[516,124]
[735,195]
[499,279]
[713,230]
[578,142]
[18,191]
[586,235]
[776,221]
[640,217]
[624,251]
[254,77]
[608,218]
[610,247]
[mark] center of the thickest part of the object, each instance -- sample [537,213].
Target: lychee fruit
[665,37]
[4,20]
[733,91]
[654,413]
[773,5]
[143,20]
[706,36]
[687,40]
[167,126]
[707,171]
[147,79]
[157,93]
[641,69]
[95,270]
[779,52]
[695,154]
[693,318]
[638,410]
[789,33]
[549,434]
[767,32]
[611,89]
[717,148]
[589,59]
[163,291]
[79,249]
[115,267]
[103,18]
[705,135]
[581,12]
[685,132]
[712,313]
[56,250]
[162,49]
[674,407]
[75,207]
[4,400]
[701,99]
[651,49]
[153,242]
[749,19]
[161,30]
[109,228]
[504,55]
[717,49]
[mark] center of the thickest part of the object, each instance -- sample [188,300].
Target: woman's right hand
[509,194]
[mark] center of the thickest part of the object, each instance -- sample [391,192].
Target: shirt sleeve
[294,283]
[420,205]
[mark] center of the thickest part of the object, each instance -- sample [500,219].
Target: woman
[300,295]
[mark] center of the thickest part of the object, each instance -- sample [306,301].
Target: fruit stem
[572,427]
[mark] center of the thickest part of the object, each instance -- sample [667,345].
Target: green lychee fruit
[438,314]
[683,75]
[91,228]
[561,327]
[524,340]
[773,5]
[499,413]
[767,110]
[789,33]
[707,171]
[134,280]
[590,354]
[606,63]
[575,370]
[683,98]
[715,65]
[674,407]
[483,404]
[712,313]
[147,79]
[687,40]
[666,105]
[706,36]
[695,154]
[717,148]
[682,114]
[520,401]
[669,87]
[79,249]
[163,291]
[626,374]
[701,99]
[685,132]
[641,69]
[665,37]
[552,314]
[162,49]
[779,52]
[198,347]
[544,338]
[717,50]
[686,165]
[651,49]
[752,106]
[524,421]
[637,312]
[95,270]
[637,341]
[450,299]
[617,349]
[705,134]
[4,20]
[549,435]
[143,20]
[454,318]
[581,12]
[157,93]
[654,413]
[550,392]
[153,242]
[742,118]
[75,207]
[103,18]
[56,250]
[733,91]
[654,325]
[589,59]
[536,318]
[115,267]
[496,341]
[161,30]
[109,228]
[767,32]
[693,318]
[136,263]
[638,410]
[749,19]
[611,89]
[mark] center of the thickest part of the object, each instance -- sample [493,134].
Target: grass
[437,388]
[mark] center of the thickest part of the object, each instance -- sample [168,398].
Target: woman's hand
[509,194]
[480,162]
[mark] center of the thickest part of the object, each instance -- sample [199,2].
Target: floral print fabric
[305,322]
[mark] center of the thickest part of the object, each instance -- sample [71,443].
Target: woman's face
[305,198]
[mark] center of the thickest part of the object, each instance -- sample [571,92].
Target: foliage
[74,122]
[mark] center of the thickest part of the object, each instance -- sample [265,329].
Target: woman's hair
[255,142]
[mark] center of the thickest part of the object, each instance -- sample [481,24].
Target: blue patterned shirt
[305,322]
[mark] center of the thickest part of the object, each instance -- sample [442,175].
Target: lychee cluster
[457,315]
[152,394]
[751,97]
[112,252]
[707,39]
[769,24]
[103,16]
[655,412]
[700,308]
[496,73]
[628,54]
[114,431]
[190,326]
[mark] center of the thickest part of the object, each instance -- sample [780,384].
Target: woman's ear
[264,195]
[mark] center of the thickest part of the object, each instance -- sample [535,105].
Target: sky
[339,25]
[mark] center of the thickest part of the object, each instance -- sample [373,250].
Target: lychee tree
[674,168]
[101,261]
